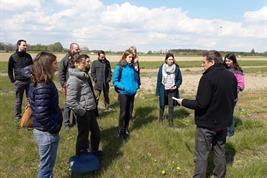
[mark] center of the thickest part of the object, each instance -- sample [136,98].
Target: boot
[170,117]
[161,111]
[170,122]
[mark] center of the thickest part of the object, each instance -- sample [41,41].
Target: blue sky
[232,25]
[208,9]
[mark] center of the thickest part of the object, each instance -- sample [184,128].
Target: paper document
[174,98]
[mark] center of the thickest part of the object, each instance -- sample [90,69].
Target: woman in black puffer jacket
[47,117]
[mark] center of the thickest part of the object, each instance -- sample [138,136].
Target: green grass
[151,148]
[189,64]
[252,66]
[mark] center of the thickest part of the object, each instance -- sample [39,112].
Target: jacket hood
[77,73]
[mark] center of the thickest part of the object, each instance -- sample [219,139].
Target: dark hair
[170,55]
[213,56]
[19,42]
[101,52]
[77,58]
[232,57]
[126,53]
[41,68]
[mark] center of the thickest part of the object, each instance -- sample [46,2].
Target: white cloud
[257,16]
[117,26]
[14,5]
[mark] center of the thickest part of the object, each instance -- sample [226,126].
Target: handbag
[26,119]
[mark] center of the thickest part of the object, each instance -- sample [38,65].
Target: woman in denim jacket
[47,117]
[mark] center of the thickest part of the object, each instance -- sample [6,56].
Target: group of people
[214,104]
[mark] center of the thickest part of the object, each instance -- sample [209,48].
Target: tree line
[58,47]
[55,47]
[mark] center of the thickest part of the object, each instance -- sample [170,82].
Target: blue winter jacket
[127,84]
[46,115]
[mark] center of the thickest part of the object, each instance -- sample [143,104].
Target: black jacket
[215,98]
[63,72]
[101,73]
[46,114]
[16,63]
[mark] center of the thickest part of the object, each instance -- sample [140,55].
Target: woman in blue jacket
[47,117]
[168,81]
[125,80]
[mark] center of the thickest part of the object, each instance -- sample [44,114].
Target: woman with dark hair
[125,79]
[47,117]
[230,62]
[82,101]
[168,81]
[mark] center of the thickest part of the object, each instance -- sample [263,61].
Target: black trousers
[21,87]
[126,106]
[87,124]
[207,139]
[168,97]
[105,93]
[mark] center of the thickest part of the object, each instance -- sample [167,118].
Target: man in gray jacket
[63,77]
[101,75]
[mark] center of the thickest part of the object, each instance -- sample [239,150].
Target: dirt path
[190,82]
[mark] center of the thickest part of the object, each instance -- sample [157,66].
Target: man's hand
[179,100]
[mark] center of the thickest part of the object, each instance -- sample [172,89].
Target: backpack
[84,163]
[119,79]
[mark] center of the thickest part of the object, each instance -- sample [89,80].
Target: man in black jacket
[19,71]
[213,107]
[63,77]
[101,75]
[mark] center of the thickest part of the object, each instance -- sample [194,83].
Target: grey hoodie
[80,97]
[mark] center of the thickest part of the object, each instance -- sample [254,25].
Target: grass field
[148,58]
[151,148]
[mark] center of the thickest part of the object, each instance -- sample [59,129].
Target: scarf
[168,76]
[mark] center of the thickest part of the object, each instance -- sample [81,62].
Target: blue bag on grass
[84,163]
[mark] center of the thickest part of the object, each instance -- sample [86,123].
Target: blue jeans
[231,128]
[47,144]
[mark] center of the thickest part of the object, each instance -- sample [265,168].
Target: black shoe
[98,153]
[127,132]
[123,135]
[170,124]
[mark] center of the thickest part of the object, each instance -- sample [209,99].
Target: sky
[228,25]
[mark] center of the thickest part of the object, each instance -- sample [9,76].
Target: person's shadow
[180,115]
[142,117]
